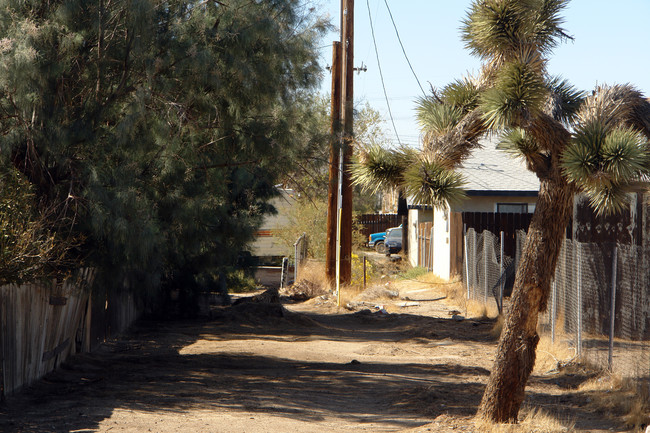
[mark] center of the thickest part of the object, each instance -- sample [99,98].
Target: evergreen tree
[157,128]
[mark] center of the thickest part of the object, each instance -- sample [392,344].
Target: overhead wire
[381,74]
[403,49]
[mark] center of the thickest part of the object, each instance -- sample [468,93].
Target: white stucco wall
[442,249]
[415,218]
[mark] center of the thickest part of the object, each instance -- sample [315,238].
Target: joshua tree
[596,144]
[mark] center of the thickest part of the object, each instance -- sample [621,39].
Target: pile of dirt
[303,290]
[260,309]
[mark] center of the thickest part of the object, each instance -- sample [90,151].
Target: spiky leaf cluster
[564,100]
[519,143]
[437,118]
[603,161]
[429,182]
[462,94]
[517,95]
[496,29]
[609,149]
[377,168]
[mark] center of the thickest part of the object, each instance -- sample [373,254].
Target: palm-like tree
[597,144]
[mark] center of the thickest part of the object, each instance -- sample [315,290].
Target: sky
[611,45]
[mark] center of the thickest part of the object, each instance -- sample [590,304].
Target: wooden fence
[425,245]
[44,324]
[374,223]
[508,223]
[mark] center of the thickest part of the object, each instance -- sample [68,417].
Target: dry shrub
[495,332]
[533,421]
[638,416]
[620,397]
[432,278]
[312,282]
[553,356]
[349,293]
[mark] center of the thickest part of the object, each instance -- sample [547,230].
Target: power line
[381,75]
[401,45]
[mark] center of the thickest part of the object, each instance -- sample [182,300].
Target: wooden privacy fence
[425,245]
[374,223]
[508,223]
[43,324]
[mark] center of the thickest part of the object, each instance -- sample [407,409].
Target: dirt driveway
[305,368]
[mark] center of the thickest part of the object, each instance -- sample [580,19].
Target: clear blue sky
[611,45]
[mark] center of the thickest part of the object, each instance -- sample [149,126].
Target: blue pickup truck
[377,240]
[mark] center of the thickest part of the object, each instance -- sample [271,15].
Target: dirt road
[305,368]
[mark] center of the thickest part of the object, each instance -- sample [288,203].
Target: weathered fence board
[37,335]
[508,223]
[375,223]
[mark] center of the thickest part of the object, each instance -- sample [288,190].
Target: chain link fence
[487,271]
[599,302]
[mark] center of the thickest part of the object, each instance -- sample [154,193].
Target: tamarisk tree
[596,144]
[158,128]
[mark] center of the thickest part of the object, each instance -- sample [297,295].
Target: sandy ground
[303,368]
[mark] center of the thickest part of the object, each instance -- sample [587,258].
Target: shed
[494,182]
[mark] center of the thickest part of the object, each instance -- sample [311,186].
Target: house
[494,182]
[267,245]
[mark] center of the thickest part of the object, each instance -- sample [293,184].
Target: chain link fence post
[579,302]
[612,311]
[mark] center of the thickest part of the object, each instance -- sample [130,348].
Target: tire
[380,247]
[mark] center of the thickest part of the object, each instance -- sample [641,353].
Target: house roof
[489,171]
[492,172]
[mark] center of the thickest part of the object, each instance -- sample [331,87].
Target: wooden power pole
[330,252]
[347,114]
[342,116]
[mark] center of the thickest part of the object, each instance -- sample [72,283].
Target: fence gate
[300,254]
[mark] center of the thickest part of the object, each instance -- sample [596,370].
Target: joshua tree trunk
[515,355]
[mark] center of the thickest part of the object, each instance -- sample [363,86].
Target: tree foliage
[157,128]
[596,144]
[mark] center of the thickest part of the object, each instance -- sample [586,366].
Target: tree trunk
[515,356]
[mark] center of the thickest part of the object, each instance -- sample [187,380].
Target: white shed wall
[441,245]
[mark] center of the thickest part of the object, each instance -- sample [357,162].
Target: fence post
[612,311]
[474,264]
[553,308]
[579,289]
[420,245]
[431,250]
[466,261]
[364,272]
[485,267]
[298,251]
[501,279]
[285,269]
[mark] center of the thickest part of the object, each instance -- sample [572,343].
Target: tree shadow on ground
[146,371]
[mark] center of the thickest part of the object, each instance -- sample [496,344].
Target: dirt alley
[308,367]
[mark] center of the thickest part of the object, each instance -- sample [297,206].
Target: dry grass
[495,332]
[620,397]
[552,356]
[533,421]
[432,278]
[457,296]
[311,283]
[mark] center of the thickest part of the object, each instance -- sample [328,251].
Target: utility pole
[332,212]
[347,112]
[338,260]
